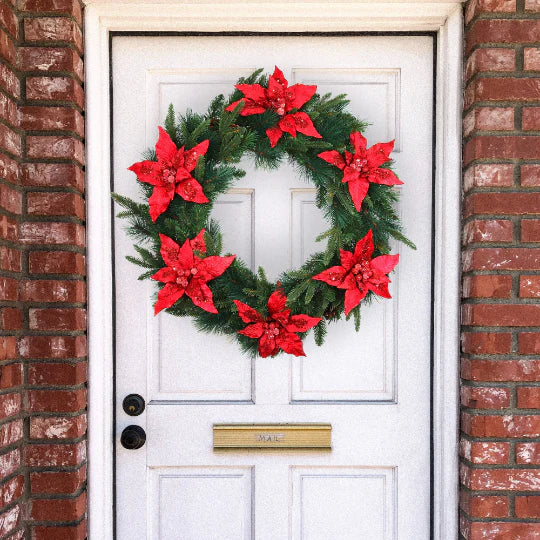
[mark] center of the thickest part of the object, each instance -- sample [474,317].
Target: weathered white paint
[442,17]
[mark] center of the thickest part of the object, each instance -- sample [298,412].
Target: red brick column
[500,368]
[42,287]
[12,415]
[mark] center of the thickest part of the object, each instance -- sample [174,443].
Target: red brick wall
[42,286]
[500,368]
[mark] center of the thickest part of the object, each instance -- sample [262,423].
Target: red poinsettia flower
[359,273]
[363,167]
[282,99]
[171,174]
[187,273]
[277,331]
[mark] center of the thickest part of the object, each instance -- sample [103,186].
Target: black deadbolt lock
[133,437]
[133,404]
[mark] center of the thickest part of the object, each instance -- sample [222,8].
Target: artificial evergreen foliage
[232,138]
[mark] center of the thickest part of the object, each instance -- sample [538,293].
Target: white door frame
[445,18]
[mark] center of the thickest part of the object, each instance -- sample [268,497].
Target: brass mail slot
[273,436]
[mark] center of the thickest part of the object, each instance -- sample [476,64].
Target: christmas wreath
[195,160]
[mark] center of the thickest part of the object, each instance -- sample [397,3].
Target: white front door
[373,387]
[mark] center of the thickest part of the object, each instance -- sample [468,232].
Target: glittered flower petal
[167,296]
[215,266]
[358,141]
[333,276]
[192,156]
[384,176]
[165,147]
[352,298]
[159,201]
[165,275]
[198,242]
[201,295]
[302,323]
[148,171]
[299,94]
[364,247]
[247,313]
[379,153]
[267,346]
[358,189]
[334,158]
[274,134]
[385,263]
[276,302]
[253,330]
[290,343]
[190,190]
[379,288]
[169,250]
[254,92]
[305,125]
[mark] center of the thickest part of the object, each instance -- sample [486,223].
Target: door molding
[445,18]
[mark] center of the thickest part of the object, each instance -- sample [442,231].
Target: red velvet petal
[288,124]
[334,158]
[190,157]
[185,256]
[299,94]
[385,263]
[278,78]
[379,153]
[290,343]
[201,295]
[233,105]
[353,297]
[364,247]
[255,92]
[253,330]
[358,189]
[198,242]
[159,201]
[350,174]
[282,317]
[165,147]
[274,134]
[349,282]
[302,323]
[276,302]
[347,259]
[215,266]
[379,288]
[358,141]
[305,125]
[384,176]
[333,276]
[190,190]
[267,346]
[148,171]
[169,250]
[165,275]
[167,296]
[250,108]
[247,313]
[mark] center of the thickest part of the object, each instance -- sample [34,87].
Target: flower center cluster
[362,271]
[271,329]
[169,176]
[277,102]
[183,277]
[360,165]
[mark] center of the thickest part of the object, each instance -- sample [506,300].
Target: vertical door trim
[445,18]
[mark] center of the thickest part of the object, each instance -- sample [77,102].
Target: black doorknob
[133,404]
[133,437]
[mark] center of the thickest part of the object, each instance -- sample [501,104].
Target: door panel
[372,386]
